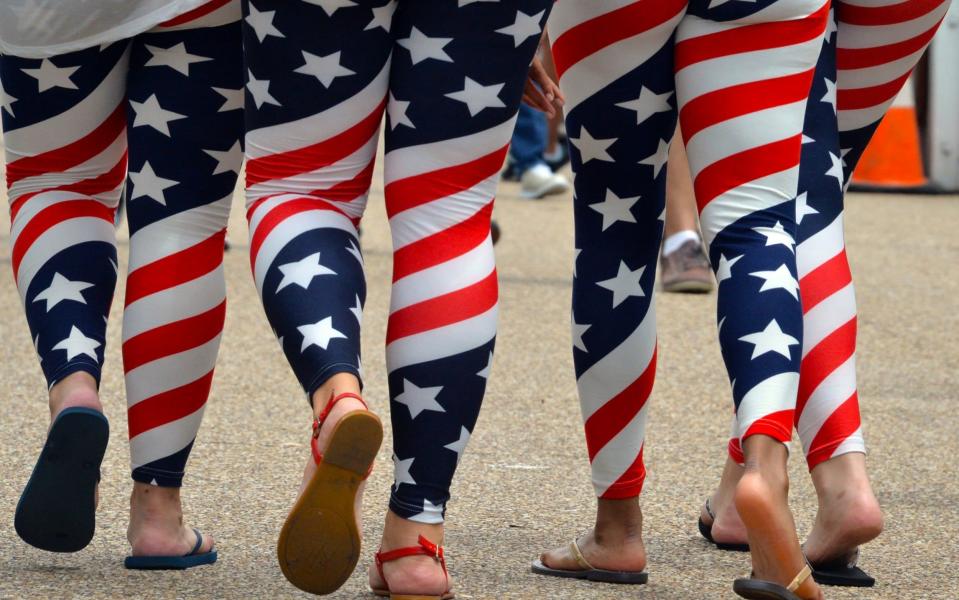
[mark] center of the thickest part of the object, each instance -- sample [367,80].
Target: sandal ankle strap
[318,422]
[425,548]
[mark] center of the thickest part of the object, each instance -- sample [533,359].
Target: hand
[541,91]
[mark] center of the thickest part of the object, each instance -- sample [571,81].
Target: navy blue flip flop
[188,560]
[707,532]
[842,573]
[57,509]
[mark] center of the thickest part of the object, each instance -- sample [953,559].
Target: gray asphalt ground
[523,486]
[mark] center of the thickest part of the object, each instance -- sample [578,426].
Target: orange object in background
[893,158]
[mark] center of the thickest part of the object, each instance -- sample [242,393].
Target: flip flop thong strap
[800,578]
[199,542]
[578,556]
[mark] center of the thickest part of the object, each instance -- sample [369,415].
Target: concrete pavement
[523,486]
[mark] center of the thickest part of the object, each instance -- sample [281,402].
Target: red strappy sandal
[319,544]
[426,548]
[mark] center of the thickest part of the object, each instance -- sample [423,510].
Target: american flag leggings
[871,48]
[738,75]
[449,76]
[168,103]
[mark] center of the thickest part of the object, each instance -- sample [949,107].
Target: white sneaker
[540,181]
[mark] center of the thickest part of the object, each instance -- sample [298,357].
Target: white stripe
[174,304]
[305,184]
[98,165]
[613,460]
[746,67]
[442,342]
[853,37]
[170,372]
[454,274]
[828,316]
[568,15]
[422,221]
[739,134]
[178,232]
[754,196]
[58,238]
[411,161]
[305,132]
[854,443]
[616,371]
[772,395]
[828,396]
[881,74]
[820,247]
[595,72]
[289,229]
[74,123]
[165,440]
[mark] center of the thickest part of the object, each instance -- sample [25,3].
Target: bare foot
[614,544]
[728,527]
[849,514]
[76,390]
[762,499]
[419,575]
[156,523]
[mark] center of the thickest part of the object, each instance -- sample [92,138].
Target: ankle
[401,533]
[618,522]
[155,504]
[75,390]
[340,383]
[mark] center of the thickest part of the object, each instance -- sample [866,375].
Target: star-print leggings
[168,102]
[866,59]
[450,77]
[739,75]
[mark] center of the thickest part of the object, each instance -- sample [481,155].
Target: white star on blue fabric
[423,47]
[302,272]
[401,472]
[62,289]
[50,76]
[770,339]
[176,57]
[780,279]
[625,284]
[478,97]
[615,209]
[419,399]
[319,334]
[524,27]
[77,344]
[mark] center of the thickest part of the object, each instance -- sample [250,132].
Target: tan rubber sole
[319,544]
[387,594]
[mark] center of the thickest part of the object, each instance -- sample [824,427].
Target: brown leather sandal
[425,548]
[319,544]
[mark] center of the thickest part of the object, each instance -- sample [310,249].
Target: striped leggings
[168,103]
[871,47]
[449,76]
[737,75]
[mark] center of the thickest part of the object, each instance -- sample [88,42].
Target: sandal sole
[319,544]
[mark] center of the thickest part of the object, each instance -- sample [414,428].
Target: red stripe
[843,422]
[314,157]
[169,406]
[71,155]
[105,182]
[860,58]
[751,38]
[851,99]
[281,213]
[824,281]
[52,216]
[173,338]
[606,423]
[735,451]
[444,245]
[630,483]
[777,425]
[176,269]
[893,14]
[749,165]
[346,191]
[605,30]
[447,309]
[729,103]
[828,355]
[196,13]
[410,192]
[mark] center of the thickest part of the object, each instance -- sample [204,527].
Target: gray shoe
[686,270]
